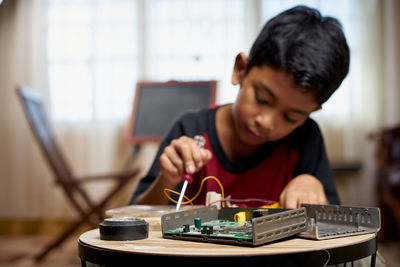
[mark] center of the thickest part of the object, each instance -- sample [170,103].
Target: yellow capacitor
[241,216]
[275,205]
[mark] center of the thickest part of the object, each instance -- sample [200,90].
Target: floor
[19,250]
[391,253]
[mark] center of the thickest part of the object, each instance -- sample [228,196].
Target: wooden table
[168,252]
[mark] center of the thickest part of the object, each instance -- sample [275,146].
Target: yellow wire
[177,193]
[198,192]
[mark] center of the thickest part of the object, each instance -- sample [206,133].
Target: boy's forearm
[154,195]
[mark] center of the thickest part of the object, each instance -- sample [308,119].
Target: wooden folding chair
[89,211]
[388,180]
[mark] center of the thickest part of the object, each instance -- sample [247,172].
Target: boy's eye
[288,119]
[259,99]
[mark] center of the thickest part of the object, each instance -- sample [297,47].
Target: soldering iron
[188,178]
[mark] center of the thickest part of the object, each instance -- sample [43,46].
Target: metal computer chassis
[331,221]
[270,225]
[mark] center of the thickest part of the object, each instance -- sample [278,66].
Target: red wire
[266,202]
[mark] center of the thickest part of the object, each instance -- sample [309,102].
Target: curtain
[374,100]
[25,184]
[390,48]
[27,189]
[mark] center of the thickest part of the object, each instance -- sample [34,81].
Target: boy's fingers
[282,199]
[168,166]
[185,150]
[303,189]
[182,147]
[293,201]
[323,200]
[192,157]
[205,155]
[290,202]
[196,155]
[174,158]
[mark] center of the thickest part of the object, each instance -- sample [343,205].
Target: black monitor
[158,104]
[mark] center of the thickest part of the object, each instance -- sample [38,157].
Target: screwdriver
[188,178]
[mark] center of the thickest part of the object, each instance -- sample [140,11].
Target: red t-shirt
[263,175]
[265,180]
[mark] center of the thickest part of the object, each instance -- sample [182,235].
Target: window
[196,40]
[92,58]
[97,50]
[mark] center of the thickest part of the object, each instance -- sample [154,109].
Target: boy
[264,145]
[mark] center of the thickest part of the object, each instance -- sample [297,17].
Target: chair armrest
[104,177]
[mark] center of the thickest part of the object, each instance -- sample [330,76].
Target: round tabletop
[292,251]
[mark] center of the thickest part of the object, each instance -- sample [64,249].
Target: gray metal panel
[279,225]
[331,221]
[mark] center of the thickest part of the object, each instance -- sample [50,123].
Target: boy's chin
[253,140]
[258,140]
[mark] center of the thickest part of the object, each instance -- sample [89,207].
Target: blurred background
[85,57]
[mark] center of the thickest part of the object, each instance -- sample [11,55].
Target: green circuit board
[215,229]
[237,226]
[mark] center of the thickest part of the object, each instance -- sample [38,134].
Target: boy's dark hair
[311,47]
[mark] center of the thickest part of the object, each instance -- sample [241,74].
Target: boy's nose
[267,122]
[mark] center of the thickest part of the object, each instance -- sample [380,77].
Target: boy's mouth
[254,134]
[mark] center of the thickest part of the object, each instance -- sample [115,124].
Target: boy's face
[269,105]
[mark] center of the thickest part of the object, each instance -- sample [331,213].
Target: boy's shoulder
[197,113]
[308,131]
[195,121]
[197,116]
[310,124]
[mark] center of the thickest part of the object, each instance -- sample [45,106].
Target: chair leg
[373,259]
[69,231]
[97,209]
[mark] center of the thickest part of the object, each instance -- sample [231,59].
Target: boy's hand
[182,155]
[303,188]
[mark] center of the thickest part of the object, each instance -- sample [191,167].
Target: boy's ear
[239,68]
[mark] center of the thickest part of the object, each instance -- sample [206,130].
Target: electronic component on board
[197,223]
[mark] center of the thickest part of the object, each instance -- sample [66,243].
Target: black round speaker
[123,229]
